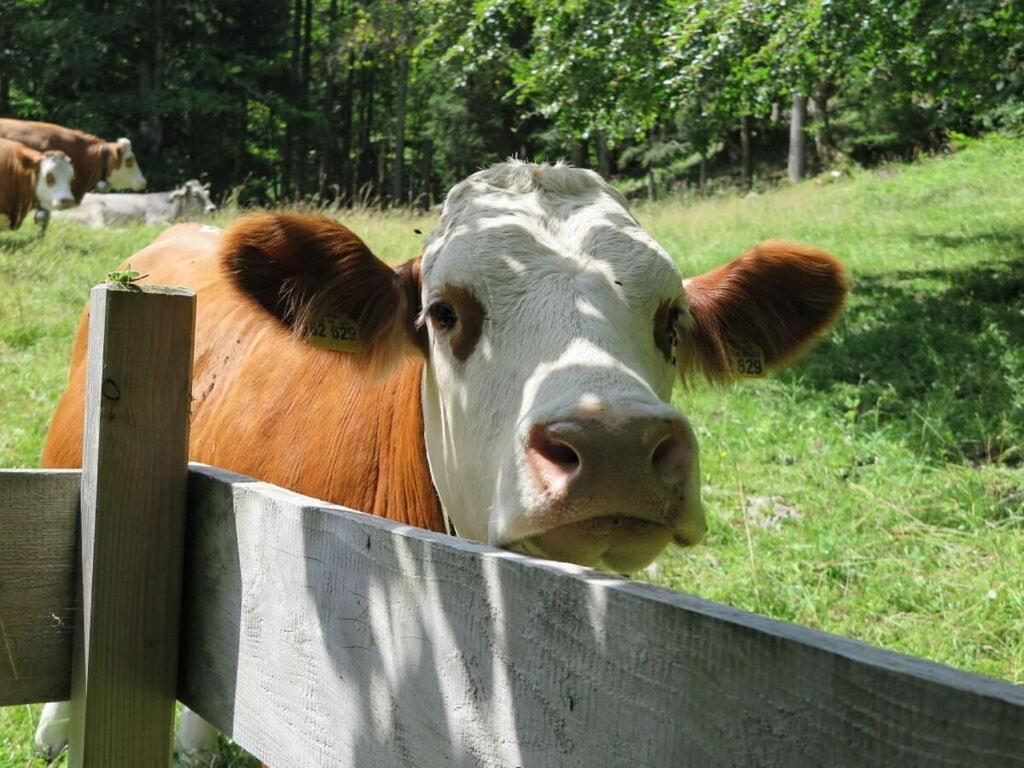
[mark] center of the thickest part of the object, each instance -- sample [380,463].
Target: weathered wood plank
[319,636]
[38,537]
[134,483]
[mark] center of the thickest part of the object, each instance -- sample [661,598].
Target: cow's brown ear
[319,279]
[759,311]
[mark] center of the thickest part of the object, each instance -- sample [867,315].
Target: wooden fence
[318,636]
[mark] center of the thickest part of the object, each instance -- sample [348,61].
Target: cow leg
[42,218]
[196,741]
[52,733]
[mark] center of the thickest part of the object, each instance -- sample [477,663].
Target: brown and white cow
[516,377]
[95,160]
[30,179]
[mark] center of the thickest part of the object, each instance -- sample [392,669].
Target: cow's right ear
[319,279]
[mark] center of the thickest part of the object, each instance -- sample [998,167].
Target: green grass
[900,440]
[898,443]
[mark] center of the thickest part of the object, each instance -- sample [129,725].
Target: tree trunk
[364,170]
[604,156]
[426,171]
[797,139]
[579,153]
[294,78]
[652,187]
[703,179]
[304,133]
[347,101]
[822,134]
[242,136]
[746,163]
[7,12]
[398,168]
[328,161]
[151,76]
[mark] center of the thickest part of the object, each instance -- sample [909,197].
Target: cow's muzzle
[610,490]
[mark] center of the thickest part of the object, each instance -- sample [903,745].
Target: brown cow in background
[94,159]
[29,179]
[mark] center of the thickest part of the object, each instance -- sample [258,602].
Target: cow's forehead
[56,164]
[519,223]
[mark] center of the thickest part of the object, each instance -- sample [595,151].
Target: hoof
[52,734]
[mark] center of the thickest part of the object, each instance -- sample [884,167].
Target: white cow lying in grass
[118,210]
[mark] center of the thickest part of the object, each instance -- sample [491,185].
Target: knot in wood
[110,390]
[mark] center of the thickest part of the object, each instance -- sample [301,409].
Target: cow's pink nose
[571,455]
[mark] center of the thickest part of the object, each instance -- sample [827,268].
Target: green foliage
[339,99]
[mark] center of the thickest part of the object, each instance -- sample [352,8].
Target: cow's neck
[94,170]
[342,438]
[404,491]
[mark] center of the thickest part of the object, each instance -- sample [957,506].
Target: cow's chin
[619,544]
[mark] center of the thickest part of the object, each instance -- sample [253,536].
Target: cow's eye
[666,329]
[673,323]
[443,316]
[50,180]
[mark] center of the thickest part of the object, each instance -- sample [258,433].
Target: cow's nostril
[553,450]
[554,462]
[669,458]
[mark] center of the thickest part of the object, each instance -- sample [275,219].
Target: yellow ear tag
[336,333]
[748,361]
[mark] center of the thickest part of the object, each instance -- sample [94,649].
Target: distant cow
[185,203]
[95,160]
[29,179]
[515,380]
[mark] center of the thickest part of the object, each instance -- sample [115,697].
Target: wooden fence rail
[315,635]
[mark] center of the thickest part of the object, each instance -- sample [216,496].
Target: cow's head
[553,329]
[192,198]
[53,181]
[124,171]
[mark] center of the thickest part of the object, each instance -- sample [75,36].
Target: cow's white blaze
[569,285]
[127,175]
[53,184]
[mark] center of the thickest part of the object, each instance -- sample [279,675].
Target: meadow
[874,490]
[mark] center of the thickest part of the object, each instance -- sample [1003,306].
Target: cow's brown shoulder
[17,181]
[269,405]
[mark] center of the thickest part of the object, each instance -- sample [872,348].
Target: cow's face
[553,329]
[53,182]
[125,172]
[193,199]
[548,427]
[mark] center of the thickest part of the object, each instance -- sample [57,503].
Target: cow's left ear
[321,281]
[759,311]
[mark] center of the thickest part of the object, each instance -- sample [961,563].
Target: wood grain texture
[38,538]
[134,481]
[318,636]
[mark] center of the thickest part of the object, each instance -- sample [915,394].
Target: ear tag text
[748,361]
[335,333]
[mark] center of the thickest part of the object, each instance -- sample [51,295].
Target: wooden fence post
[134,477]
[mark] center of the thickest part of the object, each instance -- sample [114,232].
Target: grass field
[875,490]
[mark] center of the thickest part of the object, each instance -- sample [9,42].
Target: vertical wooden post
[134,473]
